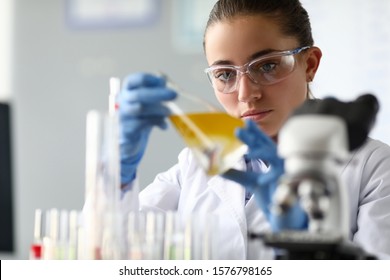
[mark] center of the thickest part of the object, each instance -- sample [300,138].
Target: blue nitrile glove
[263,185]
[140,109]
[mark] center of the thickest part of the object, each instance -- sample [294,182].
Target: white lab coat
[185,188]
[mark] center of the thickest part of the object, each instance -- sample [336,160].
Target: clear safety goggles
[265,70]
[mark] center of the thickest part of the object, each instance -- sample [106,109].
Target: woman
[261,60]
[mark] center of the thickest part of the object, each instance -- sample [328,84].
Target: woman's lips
[255,115]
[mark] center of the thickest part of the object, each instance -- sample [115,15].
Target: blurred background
[56,58]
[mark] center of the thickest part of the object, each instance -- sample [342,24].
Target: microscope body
[314,148]
[315,143]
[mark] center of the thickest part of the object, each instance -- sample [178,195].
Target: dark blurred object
[6,202]
[308,246]
[359,114]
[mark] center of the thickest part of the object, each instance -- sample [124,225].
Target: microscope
[315,143]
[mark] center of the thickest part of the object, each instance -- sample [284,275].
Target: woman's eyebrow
[251,57]
[222,62]
[261,53]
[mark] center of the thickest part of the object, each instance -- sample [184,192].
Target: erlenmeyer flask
[207,131]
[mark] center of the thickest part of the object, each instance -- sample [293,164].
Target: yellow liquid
[211,137]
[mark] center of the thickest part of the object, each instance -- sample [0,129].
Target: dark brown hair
[291,17]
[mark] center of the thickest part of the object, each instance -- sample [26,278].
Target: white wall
[354,36]
[5,49]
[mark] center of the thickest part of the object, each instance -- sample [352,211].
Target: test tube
[89,235]
[136,235]
[115,85]
[73,228]
[174,237]
[188,244]
[36,246]
[50,240]
[154,230]
[63,242]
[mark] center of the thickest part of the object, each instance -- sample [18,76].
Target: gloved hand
[140,109]
[263,185]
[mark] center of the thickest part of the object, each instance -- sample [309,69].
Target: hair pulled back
[290,16]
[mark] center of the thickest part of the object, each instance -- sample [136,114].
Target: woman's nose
[247,89]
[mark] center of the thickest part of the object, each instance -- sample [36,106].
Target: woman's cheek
[229,103]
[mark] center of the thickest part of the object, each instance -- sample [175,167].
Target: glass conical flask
[207,130]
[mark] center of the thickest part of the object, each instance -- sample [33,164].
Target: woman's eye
[224,75]
[264,67]
[268,67]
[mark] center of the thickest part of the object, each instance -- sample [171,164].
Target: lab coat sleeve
[164,192]
[372,169]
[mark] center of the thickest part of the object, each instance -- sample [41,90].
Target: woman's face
[238,41]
